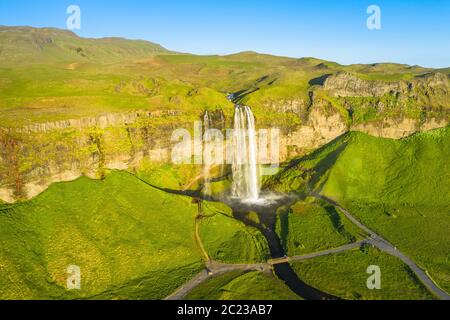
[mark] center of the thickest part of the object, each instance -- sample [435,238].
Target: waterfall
[246,175]
[207,124]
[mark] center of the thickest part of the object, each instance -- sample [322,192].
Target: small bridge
[276,261]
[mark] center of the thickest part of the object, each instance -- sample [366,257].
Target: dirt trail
[387,247]
[214,269]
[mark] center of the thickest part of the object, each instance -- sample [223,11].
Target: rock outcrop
[37,155]
[389,110]
[345,84]
[102,121]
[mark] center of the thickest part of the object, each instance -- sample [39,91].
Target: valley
[87,177]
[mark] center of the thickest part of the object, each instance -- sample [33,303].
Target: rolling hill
[27,45]
[72,107]
[131,241]
[57,73]
[400,188]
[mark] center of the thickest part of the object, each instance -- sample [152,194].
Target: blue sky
[413,32]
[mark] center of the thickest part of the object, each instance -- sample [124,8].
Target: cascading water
[207,124]
[246,172]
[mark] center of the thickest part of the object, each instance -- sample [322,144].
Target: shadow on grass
[336,221]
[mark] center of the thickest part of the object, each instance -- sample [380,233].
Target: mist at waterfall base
[245,169]
[246,196]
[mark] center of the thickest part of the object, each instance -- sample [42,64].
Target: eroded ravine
[267,220]
[266,225]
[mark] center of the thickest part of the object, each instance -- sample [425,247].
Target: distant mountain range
[26,44]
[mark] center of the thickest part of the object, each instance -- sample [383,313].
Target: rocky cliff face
[384,109]
[322,129]
[102,121]
[33,157]
[348,85]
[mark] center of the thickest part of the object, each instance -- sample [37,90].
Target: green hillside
[50,74]
[243,286]
[26,45]
[131,241]
[228,240]
[345,275]
[313,226]
[134,241]
[398,188]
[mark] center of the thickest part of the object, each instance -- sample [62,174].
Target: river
[267,213]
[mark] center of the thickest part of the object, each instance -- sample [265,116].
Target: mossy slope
[345,275]
[398,188]
[243,286]
[131,241]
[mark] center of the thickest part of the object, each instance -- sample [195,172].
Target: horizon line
[224,54]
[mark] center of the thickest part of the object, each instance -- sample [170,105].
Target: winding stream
[267,217]
[246,196]
[267,213]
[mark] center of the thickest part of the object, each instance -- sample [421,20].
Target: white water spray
[207,123]
[246,172]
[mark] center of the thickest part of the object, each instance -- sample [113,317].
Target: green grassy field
[345,275]
[399,189]
[62,76]
[312,226]
[30,45]
[225,244]
[243,286]
[221,232]
[131,241]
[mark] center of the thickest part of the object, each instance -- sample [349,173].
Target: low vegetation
[134,241]
[345,275]
[131,241]
[400,189]
[313,226]
[243,286]
[228,240]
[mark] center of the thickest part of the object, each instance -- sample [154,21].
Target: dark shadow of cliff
[284,227]
[336,221]
[196,194]
[319,81]
[266,225]
[317,180]
[320,169]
